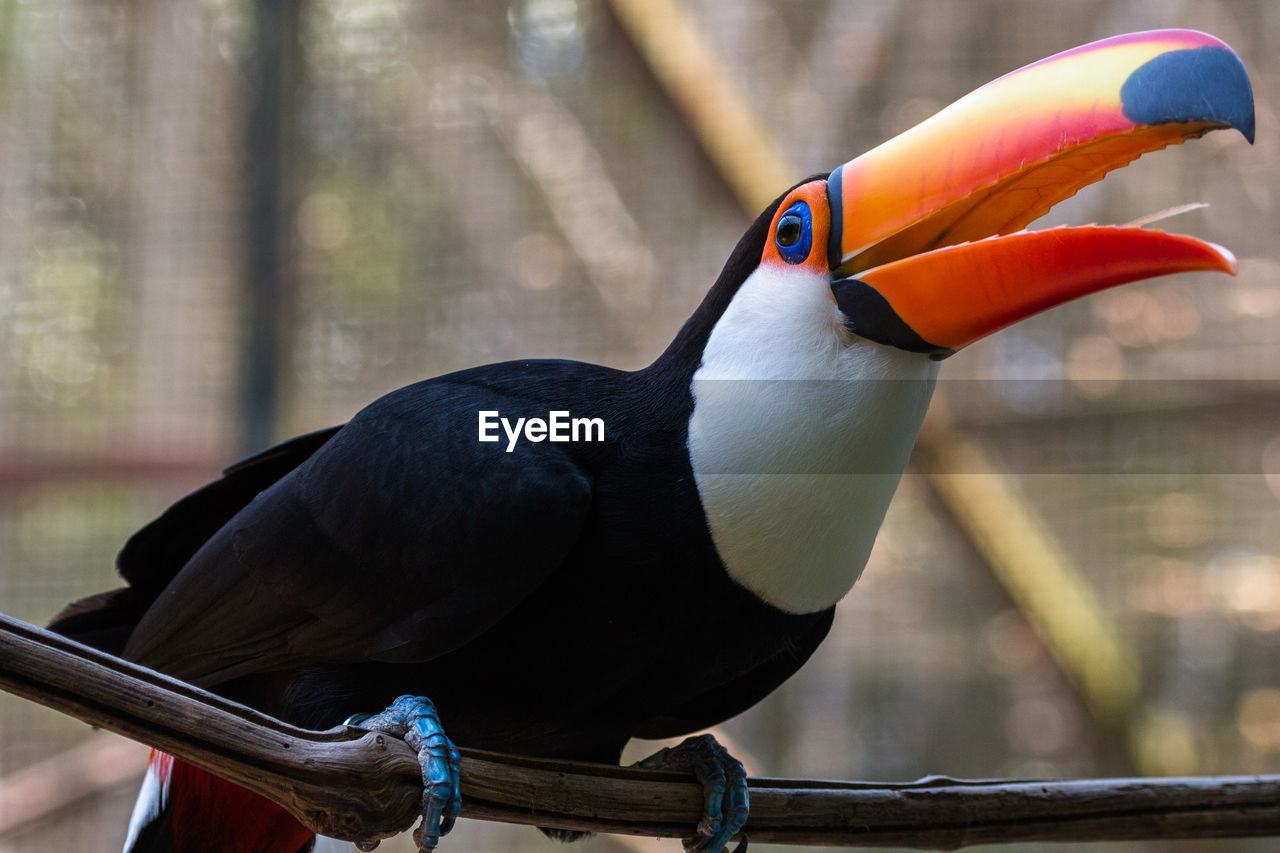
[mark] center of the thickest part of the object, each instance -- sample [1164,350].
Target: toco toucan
[667,570]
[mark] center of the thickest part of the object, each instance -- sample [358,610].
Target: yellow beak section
[998,159]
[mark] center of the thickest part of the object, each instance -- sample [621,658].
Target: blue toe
[414,718]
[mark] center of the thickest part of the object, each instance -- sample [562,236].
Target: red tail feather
[183,809]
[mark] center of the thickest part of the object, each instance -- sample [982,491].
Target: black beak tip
[1198,84]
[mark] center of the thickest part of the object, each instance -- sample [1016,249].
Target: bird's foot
[724,783]
[415,721]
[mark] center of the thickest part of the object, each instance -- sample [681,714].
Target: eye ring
[794,233]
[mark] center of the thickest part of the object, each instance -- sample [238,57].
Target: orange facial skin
[814,194]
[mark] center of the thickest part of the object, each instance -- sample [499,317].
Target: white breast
[798,438]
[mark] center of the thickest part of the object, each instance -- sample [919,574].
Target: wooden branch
[359,785]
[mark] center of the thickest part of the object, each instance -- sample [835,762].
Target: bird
[551,558]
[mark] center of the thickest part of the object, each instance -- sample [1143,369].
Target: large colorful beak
[926,242]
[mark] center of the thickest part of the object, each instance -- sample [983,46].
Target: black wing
[399,539]
[155,554]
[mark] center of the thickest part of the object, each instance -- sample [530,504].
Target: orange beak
[926,245]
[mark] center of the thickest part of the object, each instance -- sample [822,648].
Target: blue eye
[794,234]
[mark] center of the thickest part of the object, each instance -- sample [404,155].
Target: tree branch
[351,784]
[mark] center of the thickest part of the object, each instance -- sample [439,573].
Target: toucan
[529,587]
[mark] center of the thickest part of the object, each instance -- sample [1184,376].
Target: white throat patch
[798,438]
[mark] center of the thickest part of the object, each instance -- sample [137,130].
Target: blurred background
[223,223]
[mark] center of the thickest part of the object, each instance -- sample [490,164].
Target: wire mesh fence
[509,178]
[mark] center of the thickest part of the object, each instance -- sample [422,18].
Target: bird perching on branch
[664,572]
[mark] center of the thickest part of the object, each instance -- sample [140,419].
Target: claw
[414,719]
[724,783]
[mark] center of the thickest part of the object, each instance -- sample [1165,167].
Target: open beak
[926,243]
